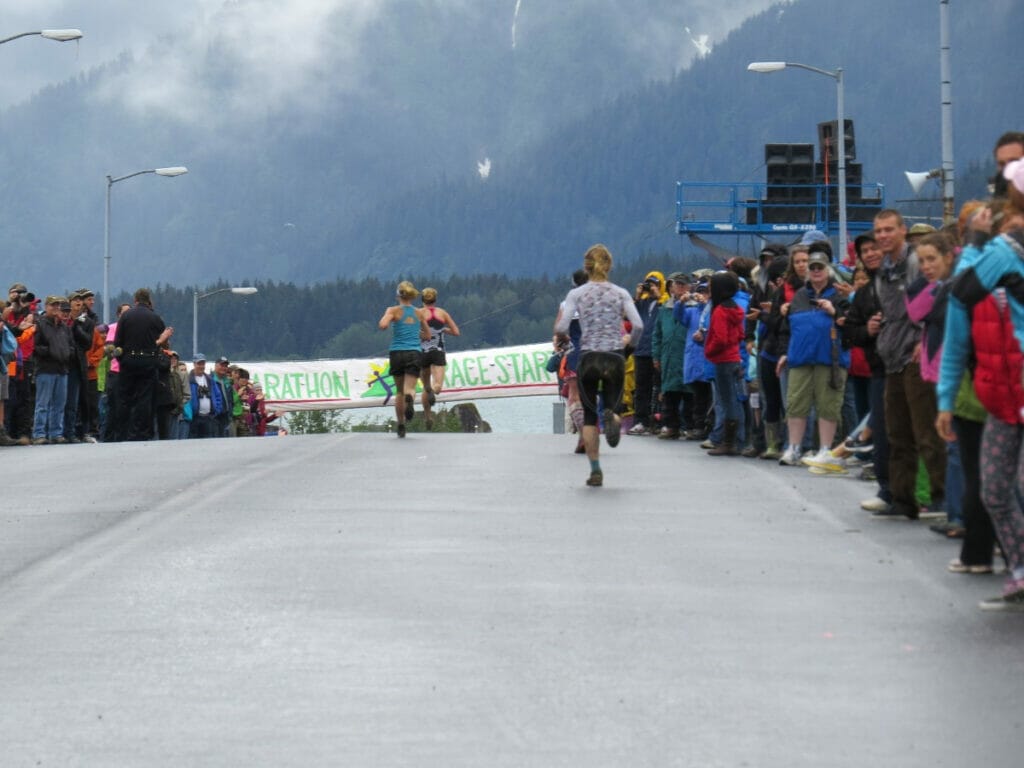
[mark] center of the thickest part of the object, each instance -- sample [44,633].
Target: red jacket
[726,332]
[997,377]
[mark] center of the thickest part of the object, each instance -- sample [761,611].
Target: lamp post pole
[948,171]
[177,170]
[837,75]
[239,290]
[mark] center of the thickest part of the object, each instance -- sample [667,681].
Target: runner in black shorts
[434,361]
[601,308]
[408,329]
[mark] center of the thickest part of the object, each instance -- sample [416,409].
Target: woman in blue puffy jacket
[695,407]
[816,361]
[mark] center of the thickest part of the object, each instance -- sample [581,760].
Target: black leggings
[771,391]
[601,372]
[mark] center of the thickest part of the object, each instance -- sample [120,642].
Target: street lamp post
[948,170]
[775,66]
[176,170]
[60,35]
[196,296]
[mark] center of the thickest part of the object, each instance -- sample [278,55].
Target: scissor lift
[726,208]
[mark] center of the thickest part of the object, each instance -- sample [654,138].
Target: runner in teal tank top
[408,329]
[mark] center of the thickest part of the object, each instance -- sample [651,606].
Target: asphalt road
[464,600]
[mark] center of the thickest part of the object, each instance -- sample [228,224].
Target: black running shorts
[405,362]
[600,373]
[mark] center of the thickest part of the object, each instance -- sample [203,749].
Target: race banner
[365,383]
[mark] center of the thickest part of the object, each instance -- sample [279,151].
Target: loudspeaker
[918,179]
[828,140]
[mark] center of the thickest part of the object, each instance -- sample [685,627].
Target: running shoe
[1012,598]
[896,511]
[612,427]
[874,504]
[409,410]
[637,430]
[401,430]
[958,566]
[790,457]
[824,460]
[859,446]
[596,479]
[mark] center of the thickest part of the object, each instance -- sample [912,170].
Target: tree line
[338,319]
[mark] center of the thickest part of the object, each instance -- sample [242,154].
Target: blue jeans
[727,392]
[51,394]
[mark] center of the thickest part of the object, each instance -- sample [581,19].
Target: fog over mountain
[351,137]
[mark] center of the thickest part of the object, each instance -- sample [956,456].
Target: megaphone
[918,178]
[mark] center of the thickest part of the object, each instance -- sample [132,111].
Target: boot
[5,439]
[771,433]
[728,446]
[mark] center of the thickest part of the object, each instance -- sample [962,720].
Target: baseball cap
[813,236]
[19,287]
[224,360]
[678,277]
[921,229]
[200,358]
[817,258]
[55,300]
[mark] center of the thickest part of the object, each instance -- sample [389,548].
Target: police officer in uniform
[140,334]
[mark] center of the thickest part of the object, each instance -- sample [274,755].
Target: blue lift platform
[763,210]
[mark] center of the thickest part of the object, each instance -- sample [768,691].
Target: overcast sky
[260,34]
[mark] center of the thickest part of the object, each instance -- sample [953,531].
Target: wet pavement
[465,600]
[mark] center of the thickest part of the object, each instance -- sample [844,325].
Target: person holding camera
[52,353]
[648,299]
[20,318]
[816,361]
[82,328]
[668,346]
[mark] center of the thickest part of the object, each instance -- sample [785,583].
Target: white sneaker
[791,456]
[874,504]
[637,429]
[824,460]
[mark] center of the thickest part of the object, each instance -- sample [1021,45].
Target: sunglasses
[816,267]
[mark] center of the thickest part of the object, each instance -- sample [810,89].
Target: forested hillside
[338,319]
[369,170]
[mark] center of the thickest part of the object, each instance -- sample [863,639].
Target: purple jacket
[920,300]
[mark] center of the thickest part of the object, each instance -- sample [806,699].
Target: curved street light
[765,67]
[175,170]
[60,35]
[240,290]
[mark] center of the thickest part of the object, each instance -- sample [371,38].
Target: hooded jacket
[647,308]
[979,328]
[726,330]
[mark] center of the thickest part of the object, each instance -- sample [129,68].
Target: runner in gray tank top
[601,307]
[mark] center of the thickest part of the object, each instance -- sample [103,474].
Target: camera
[814,302]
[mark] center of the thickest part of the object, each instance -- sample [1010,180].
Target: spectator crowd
[68,378]
[900,360]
